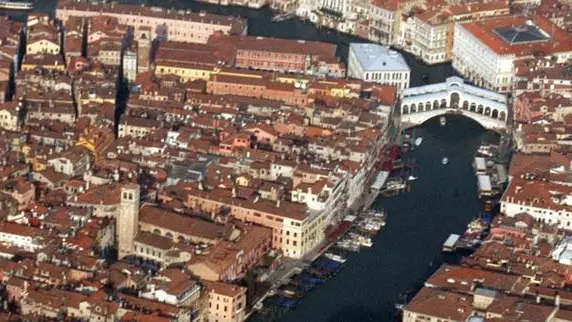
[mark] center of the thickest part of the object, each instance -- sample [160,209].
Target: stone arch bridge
[419,104]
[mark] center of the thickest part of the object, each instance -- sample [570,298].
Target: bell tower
[128,219]
[144,42]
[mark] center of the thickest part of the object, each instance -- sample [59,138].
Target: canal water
[442,201]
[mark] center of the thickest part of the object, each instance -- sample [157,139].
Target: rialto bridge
[419,104]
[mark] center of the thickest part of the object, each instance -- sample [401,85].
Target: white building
[563,252]
[129,65]
[378,64]
[485,51]
[342,7]
[382,23]
[430,34]
[432,31]
[546,202]
[26,237]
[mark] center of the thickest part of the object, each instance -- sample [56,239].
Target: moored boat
[443,121]
[445,161]
[367,242]
[335,258]
[16,5]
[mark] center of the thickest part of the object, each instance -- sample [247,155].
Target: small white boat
[411,178]
[418,141]
[366,242]
[284,16]
[445,161]
[379,214]
[335,258]
[258,306]
[16,5]
[443,121]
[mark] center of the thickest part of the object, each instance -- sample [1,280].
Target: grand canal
[441,201]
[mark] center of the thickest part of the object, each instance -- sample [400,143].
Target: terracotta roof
[484,30]
[462,279]
[154,240]
[441,304]
[223,289]
[182,224]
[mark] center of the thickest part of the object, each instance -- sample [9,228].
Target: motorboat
[418,141]
[284,16]
[335,258]
[445,161]
[443,121]
[411,178]
[366,242]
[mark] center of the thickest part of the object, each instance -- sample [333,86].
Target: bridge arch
[454,96]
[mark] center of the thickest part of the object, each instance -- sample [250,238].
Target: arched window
[413,108]
[495,114]
[428,106]
[157,231]
[473,107]
[480,109]
[454,101]
[435,104]
[502,116]
[465,105]
[487,111]
[405,109]
[444,103]
[169,235]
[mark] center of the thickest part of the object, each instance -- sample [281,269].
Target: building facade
[377,64]
[485,52]
[128,219]
[177,25]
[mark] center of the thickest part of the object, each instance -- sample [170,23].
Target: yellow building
[226,302]
[187,72]
[50,62]
[38,165]
[43,46]
[9,117]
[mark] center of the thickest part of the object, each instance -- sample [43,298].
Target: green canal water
[442,201]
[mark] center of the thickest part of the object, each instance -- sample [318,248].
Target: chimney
[557,300]
[278,203]
[233,192]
